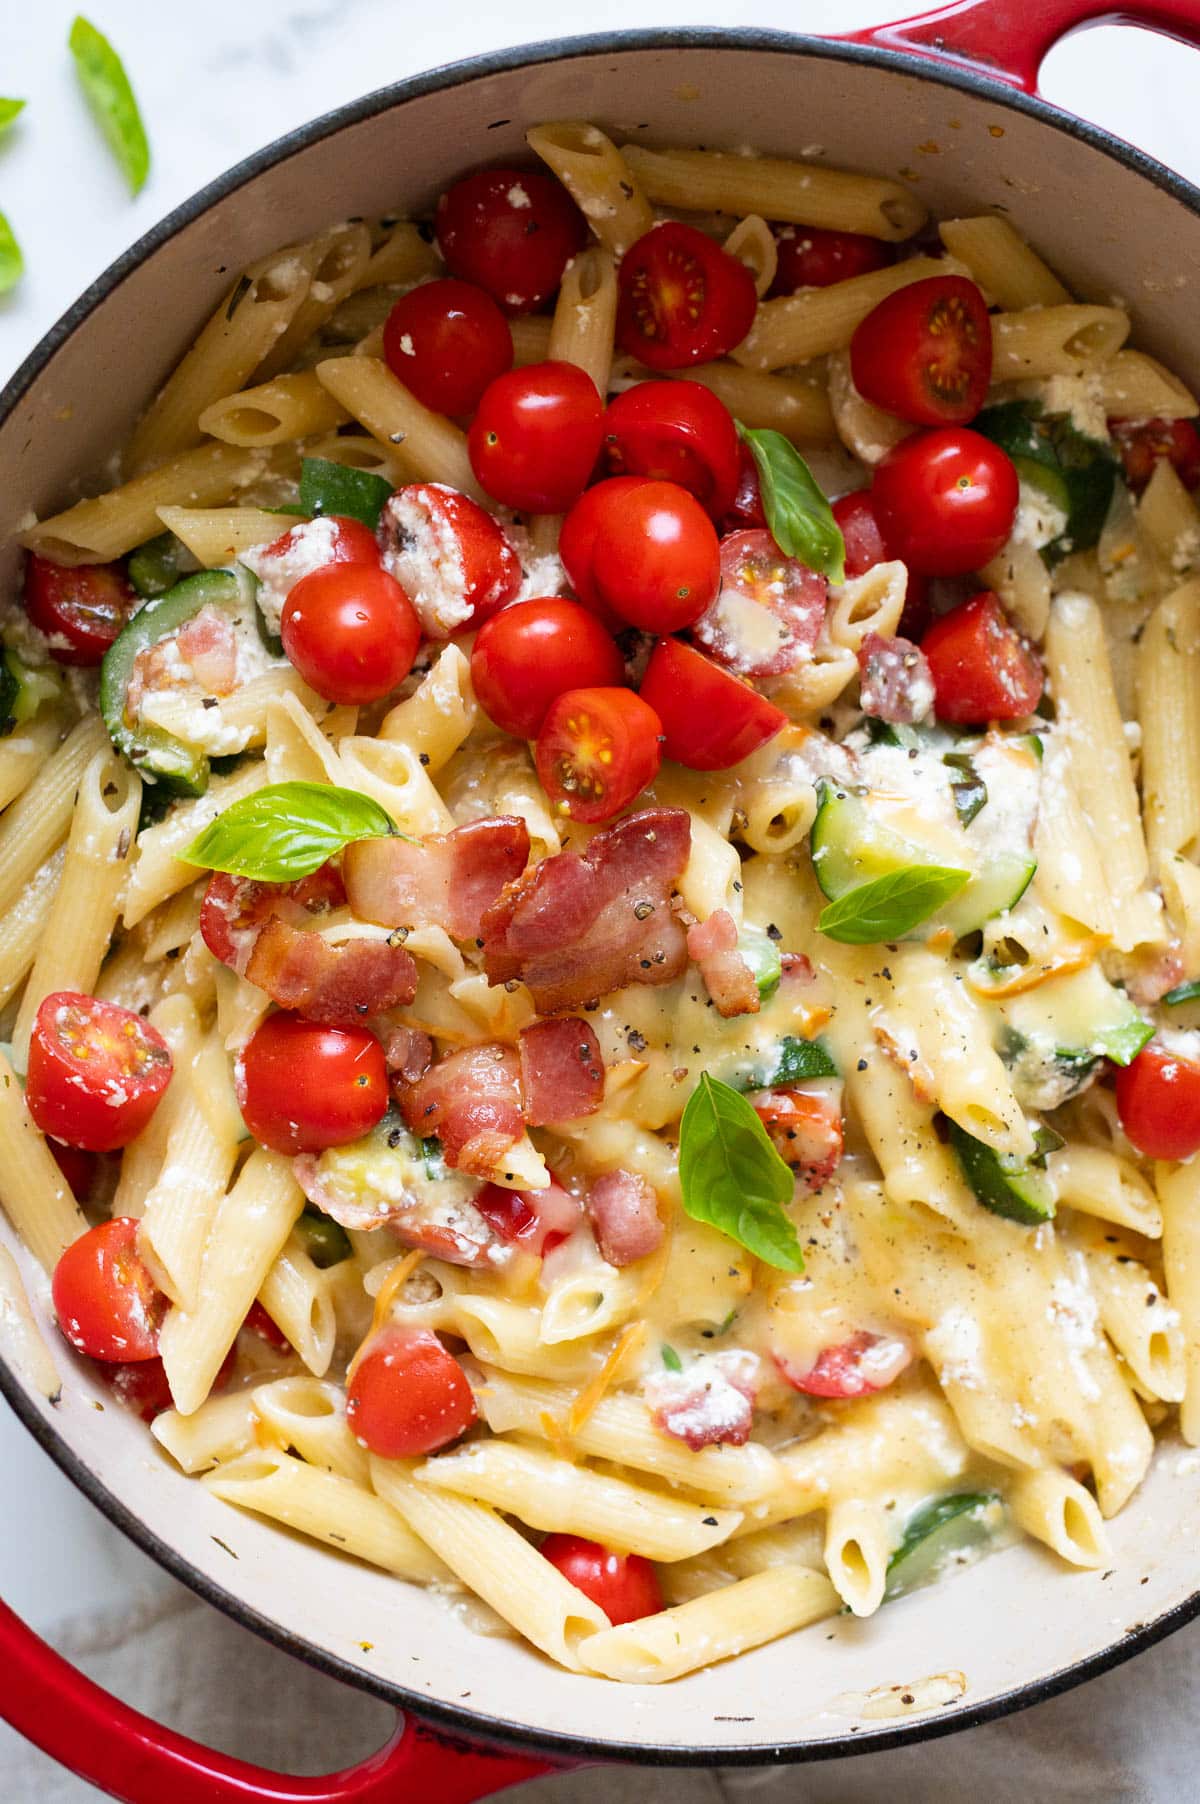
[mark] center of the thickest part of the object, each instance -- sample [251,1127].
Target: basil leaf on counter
[732,1177]
[330,488]
[800,518]
[104,81]
[9,109]
[891,906]
[287,831]
[12,263]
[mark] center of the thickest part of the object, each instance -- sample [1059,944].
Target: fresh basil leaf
[891,906]
[800,1060]
[286,831]
[104,81]
[671,1359]
[969,791]
[9,110]
[798,514]
[732,1177]
[329,488]
[12,263]
[1183,992]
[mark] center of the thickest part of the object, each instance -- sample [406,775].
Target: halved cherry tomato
[1143,442]
[408,1395]
[512,231]
[96,1071]
[709,718]
[529,654]
[452,559]
[577,540]
[597,750]
[1158,1100]
[982,668]
[144,1389]
[302,1087]
[106,1302]
[946,500]
[446,341]
[538,1220]
[855,515]
[656,561]
[770,610]
[811,258]
[805,1128]
[925,353]
[234,908]
[351,632]
[350,543]
[864,1363]
[80,608]
[535,439]
[746,508]
[676,432]
[683,300]
[624,1585]
[78,1168]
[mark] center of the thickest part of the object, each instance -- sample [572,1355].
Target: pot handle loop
[140,1762]
[1008,39]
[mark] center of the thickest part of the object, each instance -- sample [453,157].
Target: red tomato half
[683,300]
[855,515]
[106,1302]
[597,750]
[1143,442]
[538,1220]
[350,631]
[408,1395]
[805,1128]
[946,500]
[925,353]
[528,655]
[811,258]
[80,609]
[769,612]
[866,1362]
[577,540]
[267,1329]
[676,432]
[710,719]
[302,1087]
[536,437]
[512,231]
[451,558]
[1158,1100]
[655,558]
[624,1585]
[446,341]
[746,509]
[96,1071]
[982,668]
[352,543]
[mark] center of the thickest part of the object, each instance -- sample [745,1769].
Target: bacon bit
[407,1053]
[339,986]
[796,968]
[915,1070]
[450,880]
[623,1210]
[894,679]
[1031,977]
[562,1071]
[712,944]
[472,1102]
[630,1341]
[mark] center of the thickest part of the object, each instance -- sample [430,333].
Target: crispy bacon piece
[407,1053]
[623,1211]
[472,1102]
[446,881]
[796,968]
[709,1405]
[335,985]
[562,1070]
[579,925]
[727,977]
[449,1228]
[894,681]
[236,908]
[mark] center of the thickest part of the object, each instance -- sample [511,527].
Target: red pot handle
[1007,39]
[140,1762]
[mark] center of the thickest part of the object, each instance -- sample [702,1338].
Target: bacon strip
[623,1211]
[339,986]
[577,926]
[472,1102]
[448,880]
[562,1070]
[727,977]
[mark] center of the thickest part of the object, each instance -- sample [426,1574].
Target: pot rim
[473,1725]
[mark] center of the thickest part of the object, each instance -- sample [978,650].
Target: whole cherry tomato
[676,432]
[451,558]
[709,718]
[682,299]
[407,1395]
[855,515]
[1158,1100]
[624,1585]
[535,439]
[597,750]
[1142,443]
[80,608]
[529,654]
[865,1362]
[925,353]
[350,631]
[302,1087]
[106,1302]
[946,500]
[511,231]
[655,560]
[982,668]
[446,341]
[577,540]
[96,1071]
[811,258]
[769,612]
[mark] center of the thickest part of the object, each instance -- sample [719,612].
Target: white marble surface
[216,82]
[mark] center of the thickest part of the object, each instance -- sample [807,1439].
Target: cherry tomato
[925,353]
[260,1323]
[144,1389]
[408,1395]
[234,908]
[106,1302]
[805,1128]
[451,558]
[769,612]
[597,750]
[676,432]
[624,1585]
[351,632]
[77,1167]
[855,515]
[655,561]
[512,231]
[1158,1100]
[351,543]
[682,299]
[446,341]
[710,719]
[1143,442]
[946,500]
[81,609]
[982,668]
[536,437]
[812,258]
[746,508]
[538,1220]
[864,1363]
[577,540]
[302,1087]
[528,655]
[96,1071]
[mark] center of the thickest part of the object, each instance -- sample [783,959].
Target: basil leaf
[671,1359]
[104,81]
[286,831]
[1183,992]
[732,1177]
[970,791]
[329,488]
[800,1060]
[9,110]
[800,518]
[12,263]
[889,907]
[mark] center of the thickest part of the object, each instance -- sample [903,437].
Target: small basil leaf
[104,81]
[798,514]
[890,906]
[12,263]
[330,488]
[9,109]
[970,791]
[800,1060]
[732,1177]
[671,1359]
[286,831]
[1183,992]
